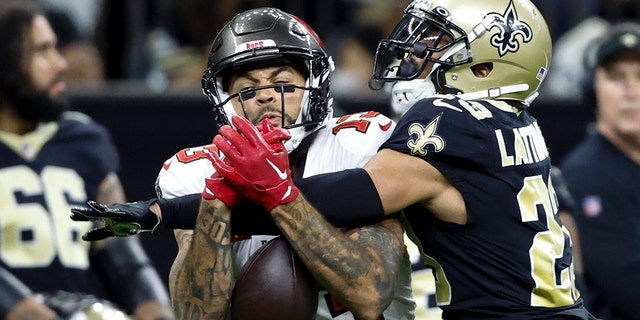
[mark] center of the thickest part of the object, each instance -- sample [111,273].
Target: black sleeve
[346,199]
[180,212]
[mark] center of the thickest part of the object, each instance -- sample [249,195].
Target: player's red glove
[259,168]
[217,188]
[273,136]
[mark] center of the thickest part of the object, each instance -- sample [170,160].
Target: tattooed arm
[183,238]
[201,278]
[357,267]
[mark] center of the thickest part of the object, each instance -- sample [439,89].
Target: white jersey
[344,143]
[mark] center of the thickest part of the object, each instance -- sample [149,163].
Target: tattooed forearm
[358,268]
[183,238]
[204,279]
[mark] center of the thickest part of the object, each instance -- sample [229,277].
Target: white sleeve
[348,142]
[184,173]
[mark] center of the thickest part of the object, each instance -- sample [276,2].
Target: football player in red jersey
[266,64]
[49,161]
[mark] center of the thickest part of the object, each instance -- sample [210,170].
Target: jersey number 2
[551,271]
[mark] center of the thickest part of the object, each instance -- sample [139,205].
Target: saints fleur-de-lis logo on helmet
[422,136]
[510,27]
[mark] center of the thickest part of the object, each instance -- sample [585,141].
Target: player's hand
[255,166]
[120,219]
[216,187]
[275,137]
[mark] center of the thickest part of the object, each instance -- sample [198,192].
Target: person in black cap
[603,174]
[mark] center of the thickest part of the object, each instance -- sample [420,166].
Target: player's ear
[482,70]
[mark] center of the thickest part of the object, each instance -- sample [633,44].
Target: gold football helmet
[442,41]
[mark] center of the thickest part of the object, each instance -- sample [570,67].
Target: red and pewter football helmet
[511,36]
[261,36]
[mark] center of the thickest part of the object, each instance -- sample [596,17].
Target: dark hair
[16,17]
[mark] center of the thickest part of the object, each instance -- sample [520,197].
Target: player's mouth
[276,119]
[57,86]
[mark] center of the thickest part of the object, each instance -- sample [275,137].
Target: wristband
[180,212]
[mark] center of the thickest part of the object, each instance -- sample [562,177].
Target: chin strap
[406,93]
[494,92]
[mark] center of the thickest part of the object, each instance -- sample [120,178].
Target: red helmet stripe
[313,33]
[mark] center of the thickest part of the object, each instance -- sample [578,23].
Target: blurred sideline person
[50,160]
[469,166]
[608,201]
[287,87]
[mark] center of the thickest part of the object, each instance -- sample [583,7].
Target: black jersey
[513,257]
[43,174]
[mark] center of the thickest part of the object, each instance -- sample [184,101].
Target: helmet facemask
[315,110]
[415,42]
[270,37]
[508,36]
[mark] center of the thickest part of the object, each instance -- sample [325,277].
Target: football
[274,284]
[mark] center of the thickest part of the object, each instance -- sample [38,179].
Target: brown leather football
[274,284]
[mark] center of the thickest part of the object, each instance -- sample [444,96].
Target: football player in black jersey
[469,165]
[49,161]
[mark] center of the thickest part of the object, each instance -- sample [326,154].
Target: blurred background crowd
[163,44]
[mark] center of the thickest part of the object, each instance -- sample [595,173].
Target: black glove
[120,219]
